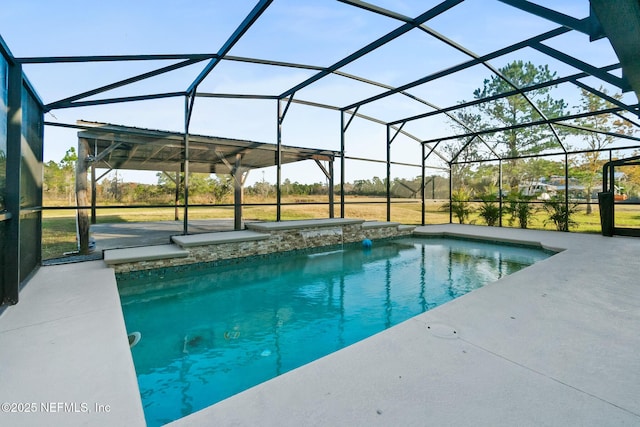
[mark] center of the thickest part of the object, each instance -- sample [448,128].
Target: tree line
[59,188]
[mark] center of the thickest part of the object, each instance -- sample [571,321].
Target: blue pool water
[210,334]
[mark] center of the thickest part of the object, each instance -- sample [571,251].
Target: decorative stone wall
[315,235]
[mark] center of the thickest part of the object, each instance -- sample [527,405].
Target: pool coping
[475,237]
[542,346]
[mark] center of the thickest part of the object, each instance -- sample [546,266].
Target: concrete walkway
[64,353]
[554,344]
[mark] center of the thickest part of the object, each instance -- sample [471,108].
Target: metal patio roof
[122,147]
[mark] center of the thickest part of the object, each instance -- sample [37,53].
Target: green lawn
[59,226]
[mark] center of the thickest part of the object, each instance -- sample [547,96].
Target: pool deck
[555,344]
[135,234]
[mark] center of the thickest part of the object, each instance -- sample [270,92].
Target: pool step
[206,239]
[143,253]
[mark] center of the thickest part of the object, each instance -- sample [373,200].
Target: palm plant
[459,205]
[560,213]
[489,210]
[520,208]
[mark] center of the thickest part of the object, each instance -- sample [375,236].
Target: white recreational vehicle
[539,190]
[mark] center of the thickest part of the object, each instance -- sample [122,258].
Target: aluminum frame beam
[134,79]
[568,79]
[432,13]
[120,100]
[590,26]
[111,58]
[621,83]
[529,124]
[495,54]
[244,26]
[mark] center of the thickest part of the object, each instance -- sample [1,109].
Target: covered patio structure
[112,147]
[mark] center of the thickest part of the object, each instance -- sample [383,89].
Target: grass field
[59,226]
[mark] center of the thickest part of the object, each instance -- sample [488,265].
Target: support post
[433,187]
[188,106]
[176,201]
[500,192]
[612,180]
[328,173]
[388,173]
[12,200]
[331,195]
[238,193]
[237,204]
[279,163]
[342,143]
[93,194]
[422,191]
[82,200]
[450,193]
[566,189]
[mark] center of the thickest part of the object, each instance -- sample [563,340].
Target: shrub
[459,205]
[520,208]
[489,210]
[560,213]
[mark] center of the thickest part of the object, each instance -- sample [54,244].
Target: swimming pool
[210,334]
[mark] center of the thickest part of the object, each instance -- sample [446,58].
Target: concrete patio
[554,344]
[132,234]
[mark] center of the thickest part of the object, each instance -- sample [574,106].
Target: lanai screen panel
[31,172]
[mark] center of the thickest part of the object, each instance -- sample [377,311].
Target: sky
[314,32]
